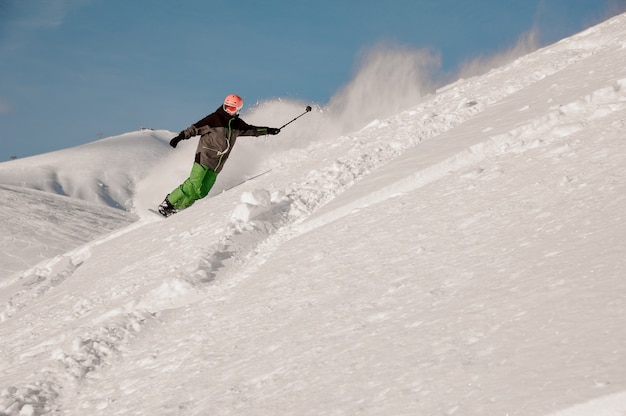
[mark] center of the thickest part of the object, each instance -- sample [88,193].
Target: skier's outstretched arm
[185,134]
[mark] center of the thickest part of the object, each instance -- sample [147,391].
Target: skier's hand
[176,139]
[273,131]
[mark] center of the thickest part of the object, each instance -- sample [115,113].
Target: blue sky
[72,71]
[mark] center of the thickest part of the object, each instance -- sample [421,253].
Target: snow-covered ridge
[103,172]
[476,268]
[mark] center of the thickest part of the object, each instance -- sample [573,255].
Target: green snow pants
[196,186]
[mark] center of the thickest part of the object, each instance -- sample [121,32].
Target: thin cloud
[5,107]
[49,14]
[20,20]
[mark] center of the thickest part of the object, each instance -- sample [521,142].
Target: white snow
[466,256]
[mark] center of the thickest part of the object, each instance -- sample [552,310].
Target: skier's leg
[208,182]
[191,190]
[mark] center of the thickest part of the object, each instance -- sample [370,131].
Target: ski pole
[308,108]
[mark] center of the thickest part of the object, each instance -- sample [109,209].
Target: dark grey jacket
[218,133]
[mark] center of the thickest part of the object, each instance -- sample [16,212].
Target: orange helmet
[232,104]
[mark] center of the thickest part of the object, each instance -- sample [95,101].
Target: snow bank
[103,172]
[611,405]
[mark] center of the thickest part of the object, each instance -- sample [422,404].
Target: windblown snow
[466,256]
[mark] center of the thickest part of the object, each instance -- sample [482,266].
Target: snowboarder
[218,132]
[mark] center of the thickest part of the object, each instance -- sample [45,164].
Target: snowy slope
[101,172]
[100,178]
[466,256]
[39,225]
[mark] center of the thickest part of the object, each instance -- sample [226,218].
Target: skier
[218,132]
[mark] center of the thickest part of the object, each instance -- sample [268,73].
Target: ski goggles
[231,109]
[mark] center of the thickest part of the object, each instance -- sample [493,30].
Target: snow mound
[611,405]
[104,172]
[253,204]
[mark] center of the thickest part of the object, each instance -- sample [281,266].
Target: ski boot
[166,208]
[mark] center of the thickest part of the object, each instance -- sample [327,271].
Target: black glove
[272,130]
[177,139]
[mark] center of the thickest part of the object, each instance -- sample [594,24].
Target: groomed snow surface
[466,256]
